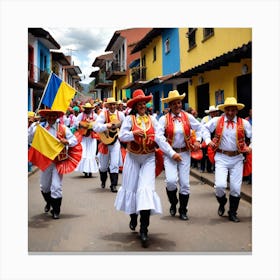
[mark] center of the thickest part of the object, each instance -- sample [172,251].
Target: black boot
[172,197]
[114,181]
[144,223]
[222,201]
[47,197]
[103,178]
[56,203]
[133,221]
[233,206]
[184,199]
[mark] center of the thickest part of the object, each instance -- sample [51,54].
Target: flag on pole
[58,94]
[44,148]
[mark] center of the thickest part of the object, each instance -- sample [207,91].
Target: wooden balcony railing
[36,75]
[138,74]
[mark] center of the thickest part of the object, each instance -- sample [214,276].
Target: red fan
[79,136]
[198,155]
[247,167]
[159,161]
[72,160]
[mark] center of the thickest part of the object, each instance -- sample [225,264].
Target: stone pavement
[208,178]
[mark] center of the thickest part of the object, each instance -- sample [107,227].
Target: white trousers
[113,159]
[178,173]
[233,166]
[51,181]
[138,185]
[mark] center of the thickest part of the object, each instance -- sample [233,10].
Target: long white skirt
[138,185]
[88,162]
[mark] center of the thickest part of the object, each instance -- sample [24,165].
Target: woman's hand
[139,133]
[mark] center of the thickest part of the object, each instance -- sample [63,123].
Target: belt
[228,153]
[180,150]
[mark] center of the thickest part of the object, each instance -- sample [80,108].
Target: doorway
[244,93]
[202,97]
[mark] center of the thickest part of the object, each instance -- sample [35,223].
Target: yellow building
[218,64]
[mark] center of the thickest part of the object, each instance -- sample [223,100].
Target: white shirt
[228,141]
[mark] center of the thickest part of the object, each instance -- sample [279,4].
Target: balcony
[36,77]
[138,74]
[115,71]
[101,82]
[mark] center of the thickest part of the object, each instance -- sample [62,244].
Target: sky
[83,44]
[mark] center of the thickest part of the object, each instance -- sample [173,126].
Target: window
[167,46]
[207,32]
[191,36]
[154,54]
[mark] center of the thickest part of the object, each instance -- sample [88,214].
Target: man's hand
[64,141]
[195,146]
[177,157]
[212,144]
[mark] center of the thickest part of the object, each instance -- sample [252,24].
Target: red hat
[46,112]
[138,96]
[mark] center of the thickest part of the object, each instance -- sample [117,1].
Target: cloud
[83,44]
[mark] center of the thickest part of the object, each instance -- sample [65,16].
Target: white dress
[88,162]
[137,191]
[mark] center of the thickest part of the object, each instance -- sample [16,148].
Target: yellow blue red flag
[44,148]
[58,94]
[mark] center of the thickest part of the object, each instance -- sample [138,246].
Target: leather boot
[172,197]
[47,198]
[56,203]
[114,181]
[133,221]
[183,199]
[222,201]
[144,223]
[233,206]
[103,178]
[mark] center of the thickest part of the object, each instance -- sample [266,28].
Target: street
[89,222]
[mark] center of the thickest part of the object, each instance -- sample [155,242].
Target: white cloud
[83,44]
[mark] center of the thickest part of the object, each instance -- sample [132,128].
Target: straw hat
[46,112]
[88,106]
[111,100]
[212,108]
[31,114]
[138,96]
[231,101]
[173,95]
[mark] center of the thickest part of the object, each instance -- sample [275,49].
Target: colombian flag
[58,94]
[44,148]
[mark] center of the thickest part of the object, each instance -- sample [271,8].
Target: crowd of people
[126,136]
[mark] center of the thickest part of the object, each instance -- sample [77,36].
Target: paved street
[90,224]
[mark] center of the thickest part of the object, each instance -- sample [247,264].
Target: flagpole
[44,92]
